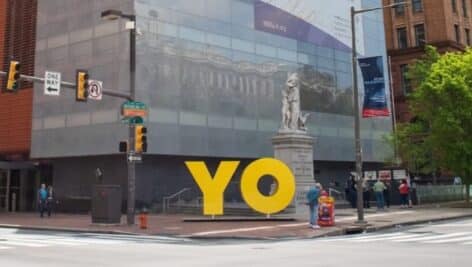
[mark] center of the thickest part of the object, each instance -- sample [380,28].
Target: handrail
[166,200]
[330,190]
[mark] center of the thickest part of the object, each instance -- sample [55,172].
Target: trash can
[106,204]
[326,211]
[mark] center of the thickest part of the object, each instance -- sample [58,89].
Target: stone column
[296,150]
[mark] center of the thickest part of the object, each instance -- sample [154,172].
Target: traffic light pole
[131,163]
[69,85]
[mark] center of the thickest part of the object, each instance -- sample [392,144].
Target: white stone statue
[292,118]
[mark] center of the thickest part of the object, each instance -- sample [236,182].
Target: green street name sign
[131,109]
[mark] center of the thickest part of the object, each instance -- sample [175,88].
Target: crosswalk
[457,238]
[14,239]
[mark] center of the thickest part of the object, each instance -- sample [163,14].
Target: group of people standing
[45,200]
[382,192]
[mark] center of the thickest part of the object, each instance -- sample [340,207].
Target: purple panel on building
[269,18]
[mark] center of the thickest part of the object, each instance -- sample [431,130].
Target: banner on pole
[375,99]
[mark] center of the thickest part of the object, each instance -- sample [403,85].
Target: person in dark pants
[42,199]
[50,200]
[366,194]
[386,193]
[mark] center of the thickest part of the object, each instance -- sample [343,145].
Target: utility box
[106,204]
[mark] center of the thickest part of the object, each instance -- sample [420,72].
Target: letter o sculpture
[282,175]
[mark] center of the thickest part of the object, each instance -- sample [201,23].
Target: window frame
[420,41]
[405,82]
[400,44]
[457,33]
[417,6]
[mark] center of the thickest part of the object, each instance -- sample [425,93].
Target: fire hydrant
[143,219]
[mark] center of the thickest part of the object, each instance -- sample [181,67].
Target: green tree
[440,136]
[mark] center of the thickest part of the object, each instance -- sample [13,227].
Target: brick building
[445,24]
[17,42]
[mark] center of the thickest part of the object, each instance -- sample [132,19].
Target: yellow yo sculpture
[213,187]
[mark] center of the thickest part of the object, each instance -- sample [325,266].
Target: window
[464,8]
[454,6]
[402,38]
[419,35]
[417,5]
[458,33]
[406,85]
[399,10]
[467,37]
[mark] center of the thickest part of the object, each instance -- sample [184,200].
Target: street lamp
[357,126]
[131,25]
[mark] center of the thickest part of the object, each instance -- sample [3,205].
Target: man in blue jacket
[42,198]
[312,199]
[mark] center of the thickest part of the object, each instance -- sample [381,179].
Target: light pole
[357,120]
[131,25]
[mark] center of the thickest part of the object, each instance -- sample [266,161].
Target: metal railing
[166,200]
[336,194]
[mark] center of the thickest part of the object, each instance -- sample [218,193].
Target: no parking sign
[95,89]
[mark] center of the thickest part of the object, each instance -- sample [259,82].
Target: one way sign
[52,83]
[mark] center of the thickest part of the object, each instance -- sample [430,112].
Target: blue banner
[375,99]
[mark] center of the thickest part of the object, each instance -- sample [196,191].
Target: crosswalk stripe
[47,241]
[362,237]
[5,247]
[457,239]
[386,238]
[22,244]
[427,238]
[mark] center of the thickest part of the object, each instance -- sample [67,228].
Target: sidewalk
[174,225]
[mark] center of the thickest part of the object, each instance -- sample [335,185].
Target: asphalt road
[443,244]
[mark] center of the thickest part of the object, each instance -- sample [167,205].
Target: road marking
[46,241]
[5,247]
[362,237]
[234,230]
[385,238]
[22,244]
[457,239]
[427,238]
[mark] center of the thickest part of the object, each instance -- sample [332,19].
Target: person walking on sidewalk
[312,201]
[50,200]
[386,192]
[404,193]
[379,188]
[42,199]
[366,193]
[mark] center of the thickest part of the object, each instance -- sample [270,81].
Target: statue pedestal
[295,148]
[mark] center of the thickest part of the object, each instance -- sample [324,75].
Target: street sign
[95,90]
[52,83]
[134,157]
[134,109]
[132,120]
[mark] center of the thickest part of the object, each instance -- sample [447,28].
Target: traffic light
[140,139]
[81,90]
[123,146]
[13,76]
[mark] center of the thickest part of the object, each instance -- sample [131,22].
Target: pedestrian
[366,193]
[50,200]
[386,193]
[379,188]
[42,199]
[312,201]
[404,192]
[351,191]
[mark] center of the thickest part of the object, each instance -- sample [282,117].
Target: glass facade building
[211,72]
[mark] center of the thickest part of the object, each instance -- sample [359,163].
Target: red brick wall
[17,41]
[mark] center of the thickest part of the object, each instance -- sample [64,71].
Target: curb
[69,230]
[385,227]
[348,230]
